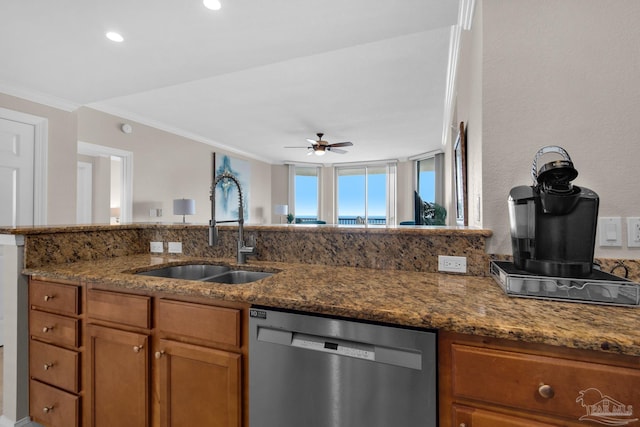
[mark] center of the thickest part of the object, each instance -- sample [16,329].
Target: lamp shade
[184,207]
[281,209]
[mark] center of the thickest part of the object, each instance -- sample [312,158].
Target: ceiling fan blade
[336,150]
[342,144]
[310,152]
[312,141]
[297,146]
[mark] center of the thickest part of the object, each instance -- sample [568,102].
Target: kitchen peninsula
[379,274]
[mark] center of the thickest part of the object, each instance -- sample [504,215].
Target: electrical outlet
[156,247]
[452,264]
[175,247]
[633,232]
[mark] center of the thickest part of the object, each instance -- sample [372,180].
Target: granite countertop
[465,304]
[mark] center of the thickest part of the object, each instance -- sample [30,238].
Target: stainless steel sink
[208,273]
[235,277]
[187,272]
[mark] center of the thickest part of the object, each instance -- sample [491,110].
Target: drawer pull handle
[546,391]
[47,409]
[48,366]
[159,354]
[47,329]
[48,297]
[462,425]
[137,348]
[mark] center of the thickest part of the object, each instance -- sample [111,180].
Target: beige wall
[561,73]
[168,166]
[61,168]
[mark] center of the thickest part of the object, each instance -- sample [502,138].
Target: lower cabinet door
[465,416]
[52,407]
[199,386]
[118,386]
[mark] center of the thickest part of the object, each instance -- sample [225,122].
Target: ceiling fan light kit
[320,147]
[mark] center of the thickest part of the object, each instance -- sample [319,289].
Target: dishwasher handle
[403,357]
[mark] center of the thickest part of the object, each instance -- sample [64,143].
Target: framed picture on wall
[460,171]
[226,191]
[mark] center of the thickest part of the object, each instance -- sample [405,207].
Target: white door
[17,154]
[17,142]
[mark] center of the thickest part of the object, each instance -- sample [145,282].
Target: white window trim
[292,187]
[391,187]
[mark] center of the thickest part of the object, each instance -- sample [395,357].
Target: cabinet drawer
[52,407]
[131,310]
[55,297]
[217,325]
[472,417]
[575,389]
[54,365]
[54,328]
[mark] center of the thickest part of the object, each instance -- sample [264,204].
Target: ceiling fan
[320,146]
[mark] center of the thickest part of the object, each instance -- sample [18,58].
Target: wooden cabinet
[491,382]
[158,362]
[118,386]
[118,363]
[200,365]
[55,348]
[199,386]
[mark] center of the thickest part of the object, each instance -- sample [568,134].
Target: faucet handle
[252,240]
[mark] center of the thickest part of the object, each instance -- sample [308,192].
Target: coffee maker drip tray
[598,288]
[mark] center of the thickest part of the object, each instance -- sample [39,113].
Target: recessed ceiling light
[115,37]
[212,4]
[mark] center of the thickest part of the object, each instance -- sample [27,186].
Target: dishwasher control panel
[335,346]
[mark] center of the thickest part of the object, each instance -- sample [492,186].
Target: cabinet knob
[48,297]
[137,348]
[47,409]
[546,391]
[462,425]
[47,329]
[48,366]
[159,354]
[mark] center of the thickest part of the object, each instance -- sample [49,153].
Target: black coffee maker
[553,223]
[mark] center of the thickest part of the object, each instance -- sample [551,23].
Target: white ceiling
[254,77]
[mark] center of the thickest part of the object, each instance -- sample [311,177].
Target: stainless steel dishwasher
[312,371]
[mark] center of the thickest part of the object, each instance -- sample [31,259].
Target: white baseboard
[25,422]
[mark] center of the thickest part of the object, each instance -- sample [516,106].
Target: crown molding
[170,129]
[38,97]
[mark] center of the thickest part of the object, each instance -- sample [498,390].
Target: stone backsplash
[399,248]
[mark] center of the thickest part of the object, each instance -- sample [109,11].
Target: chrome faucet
[243,249]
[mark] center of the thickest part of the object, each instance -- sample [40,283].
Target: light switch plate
[633,232]
[610,231]
[156,247]
[175,247]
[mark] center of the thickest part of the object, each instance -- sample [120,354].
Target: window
[365,194]
[430,179]
[427,179]
[306,184]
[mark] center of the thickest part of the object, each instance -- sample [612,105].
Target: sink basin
[207,273]
[187,272]
[235,277]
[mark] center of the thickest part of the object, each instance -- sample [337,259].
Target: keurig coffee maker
[553,223]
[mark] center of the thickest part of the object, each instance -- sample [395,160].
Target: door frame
[84,209]
[126,193]
[41,153]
